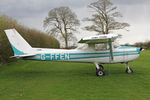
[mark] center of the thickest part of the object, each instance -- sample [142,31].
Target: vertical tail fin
[18,44]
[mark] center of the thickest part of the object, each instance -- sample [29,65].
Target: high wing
[98,39]
[107,38]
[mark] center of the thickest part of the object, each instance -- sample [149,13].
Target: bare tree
[104,18]
[61,21]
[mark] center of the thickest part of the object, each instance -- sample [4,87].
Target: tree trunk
[66,43]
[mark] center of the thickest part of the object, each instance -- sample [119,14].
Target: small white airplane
[98,49]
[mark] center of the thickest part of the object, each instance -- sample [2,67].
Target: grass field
[35,80]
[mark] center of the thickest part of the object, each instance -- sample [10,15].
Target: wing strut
[110,47]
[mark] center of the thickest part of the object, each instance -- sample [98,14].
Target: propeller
[141,48]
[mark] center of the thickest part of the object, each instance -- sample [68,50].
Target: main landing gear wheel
[99,70]
[128,70]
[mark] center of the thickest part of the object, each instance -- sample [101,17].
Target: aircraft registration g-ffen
[99,49]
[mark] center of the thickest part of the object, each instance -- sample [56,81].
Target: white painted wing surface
[99,39]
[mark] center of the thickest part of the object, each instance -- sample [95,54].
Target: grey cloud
[32,12]
[131,2]
[26,8]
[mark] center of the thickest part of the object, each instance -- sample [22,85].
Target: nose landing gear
[128,70]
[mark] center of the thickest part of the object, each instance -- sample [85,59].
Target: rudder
[18,44]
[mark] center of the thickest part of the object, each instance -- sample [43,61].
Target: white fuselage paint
[90,54]
[121,54]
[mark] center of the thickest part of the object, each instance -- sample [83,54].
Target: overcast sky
[31,13]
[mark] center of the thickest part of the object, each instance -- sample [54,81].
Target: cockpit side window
[102,46]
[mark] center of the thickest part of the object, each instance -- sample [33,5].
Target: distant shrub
[34,37]
[145,45]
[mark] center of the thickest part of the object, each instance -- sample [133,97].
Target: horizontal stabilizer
[23,56]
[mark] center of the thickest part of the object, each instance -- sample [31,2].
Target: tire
[129,70]
[100,72]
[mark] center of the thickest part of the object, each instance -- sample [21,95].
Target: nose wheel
[99,70]
[128,70]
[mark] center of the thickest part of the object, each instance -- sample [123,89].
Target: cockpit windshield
[115,44]
[83,46]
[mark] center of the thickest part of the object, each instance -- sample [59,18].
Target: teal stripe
[101,56]
[138,50]
[84,57]
[16,51]
[126,47]
[100,53]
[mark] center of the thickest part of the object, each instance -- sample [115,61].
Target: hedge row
[34,37]
[145,45]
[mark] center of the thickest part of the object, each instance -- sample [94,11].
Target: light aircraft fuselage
[100,50]
[121,54]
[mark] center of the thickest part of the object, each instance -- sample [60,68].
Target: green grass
[35,80]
